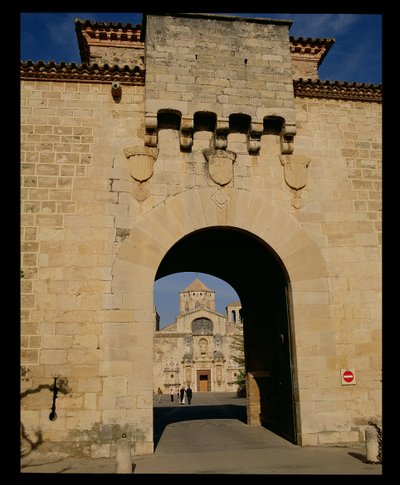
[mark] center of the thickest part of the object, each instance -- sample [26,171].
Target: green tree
[238,357]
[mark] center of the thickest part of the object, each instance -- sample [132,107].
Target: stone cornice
[307,88]
[94,73]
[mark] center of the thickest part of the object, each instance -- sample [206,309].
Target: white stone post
[123,458]
[372,445]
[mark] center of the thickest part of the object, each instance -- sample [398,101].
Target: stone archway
[141,253]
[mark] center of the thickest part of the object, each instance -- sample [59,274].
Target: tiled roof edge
[81,24]
[52,71]
[308,88]
[312,40]
[324,44]
[108,25]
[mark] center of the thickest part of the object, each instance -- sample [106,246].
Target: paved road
[205,406]
[210,437]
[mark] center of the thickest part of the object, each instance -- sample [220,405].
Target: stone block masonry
[216,135]
[220,66]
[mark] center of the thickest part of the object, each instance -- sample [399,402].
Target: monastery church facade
[196,349]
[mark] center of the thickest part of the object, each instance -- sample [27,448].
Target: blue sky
[166,293]
[356,56]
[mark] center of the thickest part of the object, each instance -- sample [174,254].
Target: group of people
[183,395]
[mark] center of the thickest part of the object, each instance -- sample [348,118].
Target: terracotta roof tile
[52,71]
[98,31]
[307,46]
[308,88]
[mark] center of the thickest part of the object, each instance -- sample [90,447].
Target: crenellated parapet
[241,86]
[220,129]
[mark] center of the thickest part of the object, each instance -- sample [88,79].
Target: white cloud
[322,25]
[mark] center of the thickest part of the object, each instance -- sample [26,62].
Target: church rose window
[202,326]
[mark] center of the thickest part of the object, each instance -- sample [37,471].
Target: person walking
[159,392]
[172,394]
[182,395]
[189,394]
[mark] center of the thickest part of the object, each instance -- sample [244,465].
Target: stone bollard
[123,458]
[372,445]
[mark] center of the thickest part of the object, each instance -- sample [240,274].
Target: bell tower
[196,296]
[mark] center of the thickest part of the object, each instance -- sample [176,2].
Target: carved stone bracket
[186,126]
[220,165]
[141,161]
[151,136]
[186,136]
[287,138]
[254,138]
[221,134]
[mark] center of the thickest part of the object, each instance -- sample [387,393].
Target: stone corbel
[221,134]
[186,135]
[287,138]
[254,138]
[151,135]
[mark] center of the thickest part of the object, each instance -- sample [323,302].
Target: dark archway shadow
[268,345]
[163,416]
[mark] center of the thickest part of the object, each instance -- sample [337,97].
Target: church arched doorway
[255,272]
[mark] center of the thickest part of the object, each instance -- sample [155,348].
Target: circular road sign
[348,376]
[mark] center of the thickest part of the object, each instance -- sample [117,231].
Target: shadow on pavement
[358,456]
[41,463]
[163,416]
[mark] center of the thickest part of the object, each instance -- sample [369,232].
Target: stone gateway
[222,153]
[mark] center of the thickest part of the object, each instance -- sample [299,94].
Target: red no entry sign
[348,376]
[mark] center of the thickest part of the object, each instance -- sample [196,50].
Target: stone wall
[342,213]
[73,209]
